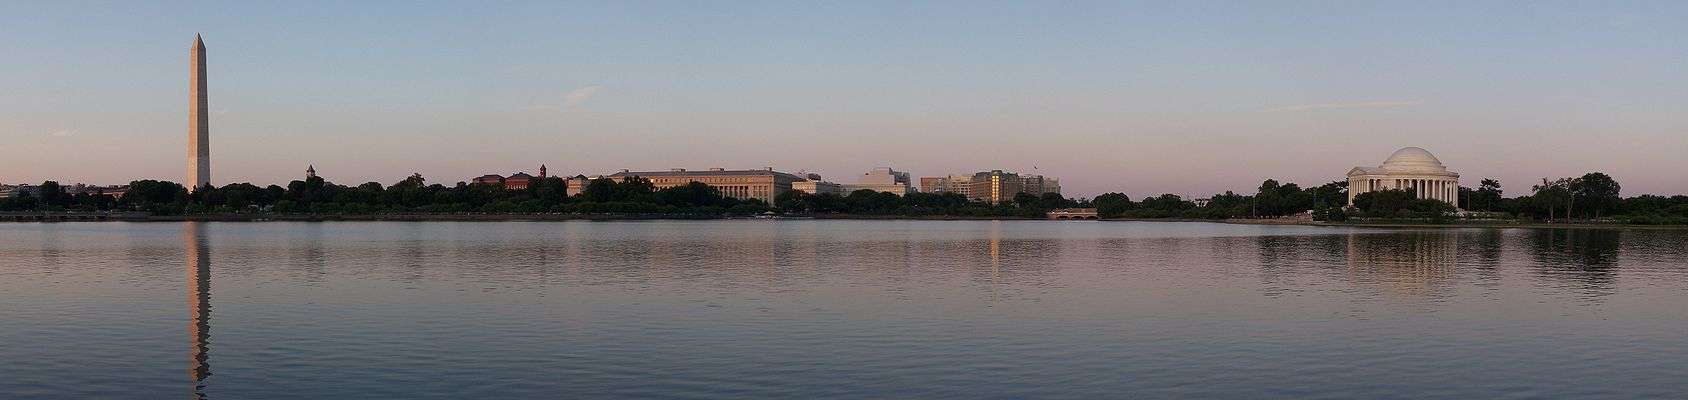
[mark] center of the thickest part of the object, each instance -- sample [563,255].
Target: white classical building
[1411,169]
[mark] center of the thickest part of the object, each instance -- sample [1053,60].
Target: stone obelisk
[199,122]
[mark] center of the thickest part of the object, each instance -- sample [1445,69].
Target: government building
[762,184]
[1411,169]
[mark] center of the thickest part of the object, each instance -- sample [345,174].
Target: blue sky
[1143,98]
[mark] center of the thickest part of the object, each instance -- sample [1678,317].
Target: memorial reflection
[1412,263]
[197,253]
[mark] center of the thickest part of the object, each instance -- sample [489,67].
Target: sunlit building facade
[813,184]
[1412,169]
[882,180]
[762,184]
[994,186]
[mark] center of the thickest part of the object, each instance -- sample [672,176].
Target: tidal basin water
[837,309]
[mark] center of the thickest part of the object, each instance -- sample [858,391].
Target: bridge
[1073,213]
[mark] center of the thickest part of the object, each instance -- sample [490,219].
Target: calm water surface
[838,309]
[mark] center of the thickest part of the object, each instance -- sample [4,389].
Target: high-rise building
[958,184]
[1038,184]
[995,187]
[199,120]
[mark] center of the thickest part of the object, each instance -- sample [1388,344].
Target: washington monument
[199,122]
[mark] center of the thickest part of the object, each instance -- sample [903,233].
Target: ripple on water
[839,309]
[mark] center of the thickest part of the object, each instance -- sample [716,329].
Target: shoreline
[142,217]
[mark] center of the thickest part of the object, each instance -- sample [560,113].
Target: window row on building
[993,186]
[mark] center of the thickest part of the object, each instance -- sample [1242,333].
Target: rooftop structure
[813,184]
[881,180]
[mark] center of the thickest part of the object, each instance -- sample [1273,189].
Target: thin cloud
[63,133]
[1333,106]
[579,96]
[571,100]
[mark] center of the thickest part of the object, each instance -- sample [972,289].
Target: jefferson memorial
[1411,169]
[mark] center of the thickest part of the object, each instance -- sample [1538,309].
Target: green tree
[1333,194]
[1487,196]
[1384,203]
[793,201]
[599,190]
[1110,205]
[634,189]
[1167,202]
[1596,191]
[1554,195]
[693,194]
[51,195]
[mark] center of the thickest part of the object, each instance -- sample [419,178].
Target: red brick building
[517,181]
[488,180]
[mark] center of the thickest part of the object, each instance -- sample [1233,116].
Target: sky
[1190,98]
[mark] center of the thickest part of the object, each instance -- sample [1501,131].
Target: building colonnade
[1412,169]
[1442,189]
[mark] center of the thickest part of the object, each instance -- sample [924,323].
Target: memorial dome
[1413,159]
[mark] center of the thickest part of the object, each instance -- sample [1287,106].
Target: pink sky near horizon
[1139,155]
[1182,98]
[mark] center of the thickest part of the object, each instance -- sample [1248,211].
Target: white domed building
[1412,169]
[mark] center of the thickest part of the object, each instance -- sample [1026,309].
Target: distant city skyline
[1135,98]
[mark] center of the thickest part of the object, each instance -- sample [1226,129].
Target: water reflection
[683,309]
[1413,263]
[198,256]
[1583,259]
[1484,254]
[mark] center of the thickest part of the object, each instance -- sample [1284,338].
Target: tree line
[1272,199]
[1592,196]
[410,195]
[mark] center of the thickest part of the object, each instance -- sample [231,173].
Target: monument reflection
[197,251]
[1409,262]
